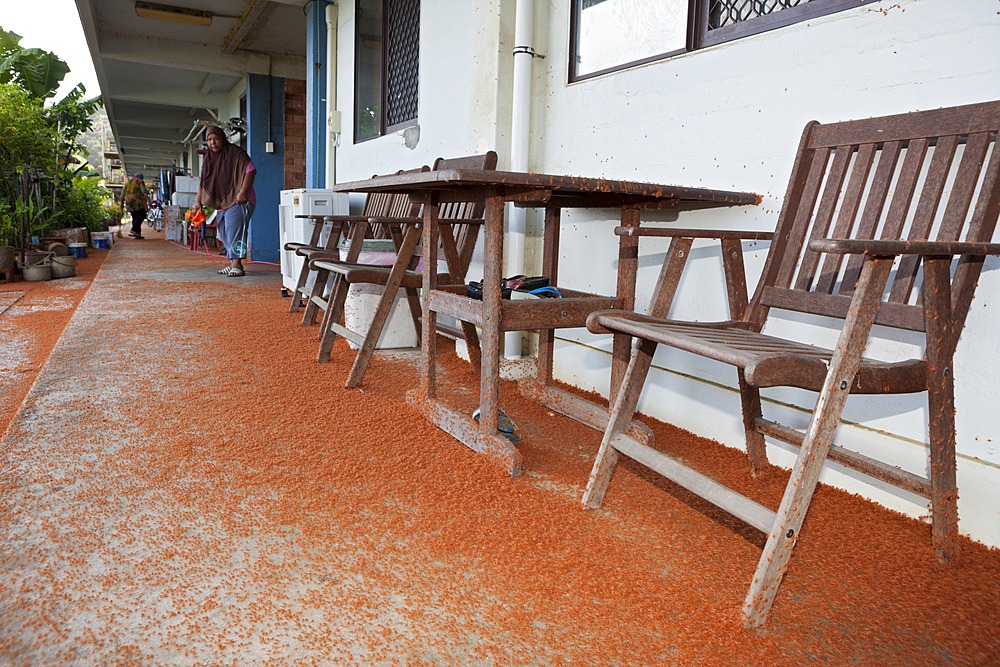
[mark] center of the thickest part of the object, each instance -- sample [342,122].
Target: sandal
[236,273]
[226,271]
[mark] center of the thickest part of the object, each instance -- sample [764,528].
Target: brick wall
[295,134]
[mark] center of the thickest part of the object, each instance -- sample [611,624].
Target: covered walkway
[184,485]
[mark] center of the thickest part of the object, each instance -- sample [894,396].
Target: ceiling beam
[199,57]
[183,98]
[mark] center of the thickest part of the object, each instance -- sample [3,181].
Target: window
[608,35]
[387,48]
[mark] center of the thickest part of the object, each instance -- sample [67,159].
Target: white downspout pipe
[524,25]
[332,113]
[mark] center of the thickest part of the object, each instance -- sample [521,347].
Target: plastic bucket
[102,240]
[78,250]
[63,267]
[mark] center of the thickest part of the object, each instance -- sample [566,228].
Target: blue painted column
[316,95]
[266,123]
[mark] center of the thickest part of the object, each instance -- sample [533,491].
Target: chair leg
[384,309]
[300,287]
[334,311]
[318,290]
[618,422]
[941,406]
[944,490]
[791,513]
[756,447]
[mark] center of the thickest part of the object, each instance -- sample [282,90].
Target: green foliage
[37,71]
[28,138]
[70,117]
[43,140]
[81,204]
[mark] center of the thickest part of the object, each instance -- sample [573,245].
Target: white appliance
[304,201]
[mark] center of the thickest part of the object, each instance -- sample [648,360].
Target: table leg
[428,332]
[550,268]
[490,340]
[628,266]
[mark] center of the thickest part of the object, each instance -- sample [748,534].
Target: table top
[534,190]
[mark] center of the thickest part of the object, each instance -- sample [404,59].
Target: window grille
[402,73]
[728,12]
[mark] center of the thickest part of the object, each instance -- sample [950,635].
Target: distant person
[135,199]
[226,185]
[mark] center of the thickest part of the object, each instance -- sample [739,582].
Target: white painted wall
[726,117]
[459,96]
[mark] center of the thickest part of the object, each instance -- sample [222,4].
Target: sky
[53,25]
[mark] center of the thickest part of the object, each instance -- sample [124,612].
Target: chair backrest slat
[932,174]
[461,239]
[888,158]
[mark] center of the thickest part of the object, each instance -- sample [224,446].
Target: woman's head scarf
[222,172]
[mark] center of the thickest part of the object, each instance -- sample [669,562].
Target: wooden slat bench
[913,198]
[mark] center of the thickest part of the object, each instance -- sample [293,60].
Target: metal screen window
[727,12]
[610,35]
[402,72]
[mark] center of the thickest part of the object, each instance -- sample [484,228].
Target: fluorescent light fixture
[152,10]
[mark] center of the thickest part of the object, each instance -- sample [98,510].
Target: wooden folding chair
[945,161]
[351,228]
[459,224]
[322,294]
[300,294]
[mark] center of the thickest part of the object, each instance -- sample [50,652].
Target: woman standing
[226,185]
[135,199]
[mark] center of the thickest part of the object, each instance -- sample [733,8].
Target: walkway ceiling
[159,76]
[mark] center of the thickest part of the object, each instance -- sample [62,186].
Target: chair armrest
[887,247]
[385,220]
[695,233]
[346,218]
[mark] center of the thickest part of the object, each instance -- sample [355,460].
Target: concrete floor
[184,485]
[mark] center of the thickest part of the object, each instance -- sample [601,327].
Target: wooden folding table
[495,315]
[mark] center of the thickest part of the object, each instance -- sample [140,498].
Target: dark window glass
[386,72]
[368,70]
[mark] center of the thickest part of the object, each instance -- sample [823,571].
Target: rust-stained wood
[461,427]
[550,268]
[547,314]
[402,224]
[721,496]
[898,477]
[579,409]
[694,233]
[866,174]
[941,405]
[458,184]
[440,189]
[628,266]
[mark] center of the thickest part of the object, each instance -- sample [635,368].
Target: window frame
[383,129]
[699,36]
